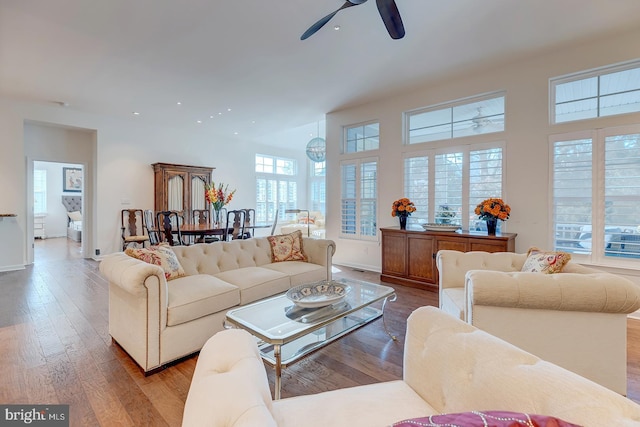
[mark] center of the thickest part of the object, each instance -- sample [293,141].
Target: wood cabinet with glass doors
[409,256]
[180,187]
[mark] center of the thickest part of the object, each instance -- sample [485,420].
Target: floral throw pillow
[545,262]
[287,247]
[160,255]
[485,419]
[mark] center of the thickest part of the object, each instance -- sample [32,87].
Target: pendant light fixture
[317,148]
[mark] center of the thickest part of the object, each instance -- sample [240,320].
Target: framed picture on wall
[72,180]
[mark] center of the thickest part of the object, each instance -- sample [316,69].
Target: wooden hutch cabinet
[409,256]
[180,187]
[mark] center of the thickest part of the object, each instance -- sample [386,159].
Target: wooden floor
[55,348]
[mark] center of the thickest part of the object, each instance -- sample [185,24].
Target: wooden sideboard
[409,256]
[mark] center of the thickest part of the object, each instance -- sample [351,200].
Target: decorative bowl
[440,227]
[318,294]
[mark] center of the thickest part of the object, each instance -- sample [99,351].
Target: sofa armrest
[130,274]
[229,385]
[595,292]
[320,251]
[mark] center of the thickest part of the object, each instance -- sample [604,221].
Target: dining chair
[202,217]
[249,223]
[235,225]
[152,230]
[134,230]
[169,227]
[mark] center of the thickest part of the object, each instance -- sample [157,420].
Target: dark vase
[491,226]
[403,222]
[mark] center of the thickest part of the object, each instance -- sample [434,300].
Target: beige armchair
[576,319]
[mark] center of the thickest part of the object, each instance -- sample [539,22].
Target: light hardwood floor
[55,348]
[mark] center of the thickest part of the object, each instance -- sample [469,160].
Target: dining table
[205,229]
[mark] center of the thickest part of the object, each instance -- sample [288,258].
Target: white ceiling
[114,57]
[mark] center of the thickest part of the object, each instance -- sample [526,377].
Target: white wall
[527,138]
[122,151]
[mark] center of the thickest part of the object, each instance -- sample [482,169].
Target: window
[317,186]
[359,198]
[596,194]
[457,181]
[362,138]
[39,191]
[276,187]
[604,92]
[470,116]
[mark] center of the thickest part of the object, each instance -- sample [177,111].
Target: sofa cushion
[299,272]
[485,419]
[192,297]
[160,255]
[287,247]
[539,261]
[256,282]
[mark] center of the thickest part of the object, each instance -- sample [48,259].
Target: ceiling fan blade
[315,27]
[391,18]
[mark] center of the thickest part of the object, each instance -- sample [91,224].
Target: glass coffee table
[288,333]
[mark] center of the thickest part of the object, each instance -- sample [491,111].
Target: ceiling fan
[388,11]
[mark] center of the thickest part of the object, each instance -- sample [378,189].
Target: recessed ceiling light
[135,113]
[228,109]
[235,133]
[336,27]
[179,103]
[211,117]
[220,113]
[198,121]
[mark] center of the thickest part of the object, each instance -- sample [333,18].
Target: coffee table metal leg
[278,383]
[384,324]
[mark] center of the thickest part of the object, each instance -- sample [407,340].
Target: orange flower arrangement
[493,208]
[218,196]
[402,207]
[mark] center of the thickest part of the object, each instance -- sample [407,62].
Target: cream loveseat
[449,366]
[158,321]
[576,318]
[315,227]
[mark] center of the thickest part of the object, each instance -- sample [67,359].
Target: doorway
[67,154]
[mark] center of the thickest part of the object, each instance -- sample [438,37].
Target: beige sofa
[449,366]
[576,319]
[158,321]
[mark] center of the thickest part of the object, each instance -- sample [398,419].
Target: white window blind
[317,186]
[572,194]
[359,198]
[39,191]
[448,186]
[596,194]
[472,174]
[416,187]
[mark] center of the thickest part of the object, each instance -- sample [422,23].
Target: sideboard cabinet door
[180,187]
[409,256]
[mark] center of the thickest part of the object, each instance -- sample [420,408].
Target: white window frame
[594,255]
[585,75]
[268,171]
[448,108]
[363,125]
[359,200]
[464,217]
